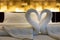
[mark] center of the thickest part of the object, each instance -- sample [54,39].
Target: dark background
[1,16]
[56,17]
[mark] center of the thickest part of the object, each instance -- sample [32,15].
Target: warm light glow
[3,8]
[39,9]
[19,10]
[53,9]
[25,7]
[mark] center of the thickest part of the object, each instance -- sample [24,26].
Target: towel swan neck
[35,25]
[44,22]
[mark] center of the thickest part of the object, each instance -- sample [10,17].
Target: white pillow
[15,18]
[54,31]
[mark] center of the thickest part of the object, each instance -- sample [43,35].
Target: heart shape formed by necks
[40,27]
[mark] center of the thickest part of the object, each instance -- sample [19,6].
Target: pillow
[15,18]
